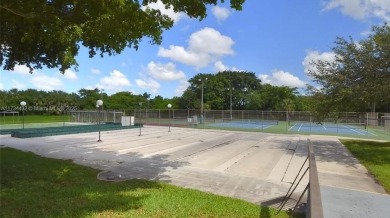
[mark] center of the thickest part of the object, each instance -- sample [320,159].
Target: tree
[359,76]
[121,101]
[270,97]
[39,102]
[88,98]
[50,32]
[219,89]
[160,103]
[238,85]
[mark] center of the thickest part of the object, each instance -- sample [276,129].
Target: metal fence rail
[314,206]
[314,203]
[296,122]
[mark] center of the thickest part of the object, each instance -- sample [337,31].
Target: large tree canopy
[359,76]
[49,32]
[221,91]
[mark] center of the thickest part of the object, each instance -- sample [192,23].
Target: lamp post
[169,118]
[99,105]
[140,105]
[201,110]
[23,103]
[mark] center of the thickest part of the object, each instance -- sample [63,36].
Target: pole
[23,116]
[169,128]
[99,123]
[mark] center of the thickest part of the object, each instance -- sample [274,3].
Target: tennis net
[328,125]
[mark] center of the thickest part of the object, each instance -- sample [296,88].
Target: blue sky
[276,40]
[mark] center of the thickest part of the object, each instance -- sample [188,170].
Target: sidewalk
[347,189]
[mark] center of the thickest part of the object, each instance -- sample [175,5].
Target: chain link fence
[93,116]
[249,120]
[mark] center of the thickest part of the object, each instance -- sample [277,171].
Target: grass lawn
[375,156]
[34,186]
[34,119]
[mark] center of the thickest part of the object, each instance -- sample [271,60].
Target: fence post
[173,117]
[159,117]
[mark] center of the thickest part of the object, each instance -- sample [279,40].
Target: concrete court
[256,167]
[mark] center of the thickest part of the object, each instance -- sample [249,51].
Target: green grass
[375,156]
[34,119]
[33,186]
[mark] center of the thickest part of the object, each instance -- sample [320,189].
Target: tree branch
[29,15]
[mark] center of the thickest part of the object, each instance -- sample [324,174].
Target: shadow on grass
[373,152]
[276,203]
[375,156]
[329,151]
[32,186]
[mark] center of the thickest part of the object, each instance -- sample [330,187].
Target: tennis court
[330,128]
[245,124]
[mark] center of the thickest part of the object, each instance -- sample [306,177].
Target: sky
[276,40]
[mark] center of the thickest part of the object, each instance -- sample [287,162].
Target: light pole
[99,105]
[140,106]
[201,110]
[23,103]
[169,118]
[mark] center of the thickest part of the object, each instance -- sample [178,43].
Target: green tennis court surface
[331,128]
[355,130]
[245,124]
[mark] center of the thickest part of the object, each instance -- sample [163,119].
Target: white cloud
[18,85]
[183,85]
[116,80]
[204,46]
[164,72]
[160,6]
[210,41]
[44,82]
[219,67]
[21,69]
[1,86]
[69,74]
[282,78]
[314,56]
[180,54]
[95,71]
[148,83]
[220,13]
[361,9]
